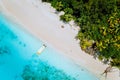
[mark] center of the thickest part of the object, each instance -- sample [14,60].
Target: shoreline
[36,20]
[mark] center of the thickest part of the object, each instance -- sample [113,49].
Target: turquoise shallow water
[18,60]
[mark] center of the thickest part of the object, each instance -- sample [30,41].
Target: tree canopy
[99,22]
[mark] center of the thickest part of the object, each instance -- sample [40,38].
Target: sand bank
[41,21]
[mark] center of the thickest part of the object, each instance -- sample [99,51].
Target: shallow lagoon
[18,59]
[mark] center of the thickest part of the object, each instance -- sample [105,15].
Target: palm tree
[108,69]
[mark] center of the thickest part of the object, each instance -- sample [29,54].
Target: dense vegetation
[99,21]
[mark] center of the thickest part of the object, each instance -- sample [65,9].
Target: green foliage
[99,22]
[66,17]
[85,44]
[46,0]
[68,11]
[116,63]
[57,5]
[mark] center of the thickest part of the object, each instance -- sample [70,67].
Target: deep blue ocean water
[18,59]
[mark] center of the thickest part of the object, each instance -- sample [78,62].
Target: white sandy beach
[41,21]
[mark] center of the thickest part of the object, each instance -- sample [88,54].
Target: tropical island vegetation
[99,22]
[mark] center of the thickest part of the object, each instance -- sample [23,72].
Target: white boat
[40,50]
